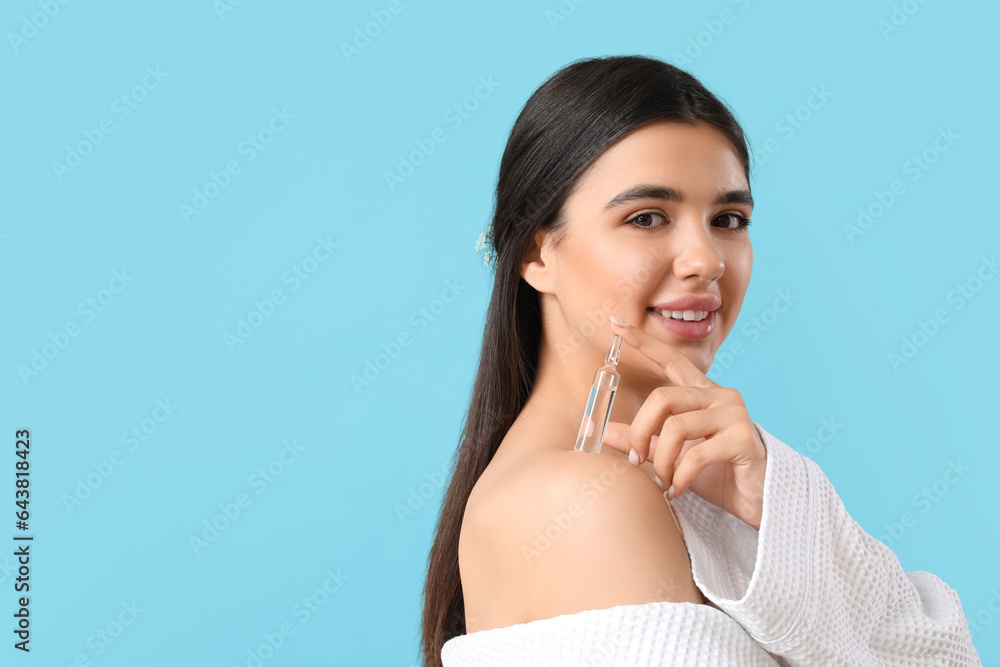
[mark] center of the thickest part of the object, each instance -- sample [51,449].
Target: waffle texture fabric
[811,587]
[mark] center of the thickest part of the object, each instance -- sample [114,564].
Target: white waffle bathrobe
[810,588]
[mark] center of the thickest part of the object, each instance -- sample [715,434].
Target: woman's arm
[811,585]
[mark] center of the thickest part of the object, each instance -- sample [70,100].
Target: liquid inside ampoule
[599,402]
[591,433]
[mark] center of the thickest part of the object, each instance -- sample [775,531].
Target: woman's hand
[707,442]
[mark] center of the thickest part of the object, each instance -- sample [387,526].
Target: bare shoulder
[567,532]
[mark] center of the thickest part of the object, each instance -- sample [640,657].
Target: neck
[555,407]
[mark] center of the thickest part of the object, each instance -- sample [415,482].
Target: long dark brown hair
[577,114]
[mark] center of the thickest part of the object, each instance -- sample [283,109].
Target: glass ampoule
[602,396]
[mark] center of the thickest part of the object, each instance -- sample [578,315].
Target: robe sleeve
[811,586]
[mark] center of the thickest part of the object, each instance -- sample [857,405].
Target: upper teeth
[690,315]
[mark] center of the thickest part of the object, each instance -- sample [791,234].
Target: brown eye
[737,223]
[643,220]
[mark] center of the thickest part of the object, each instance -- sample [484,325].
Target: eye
[639,220]
[741,222]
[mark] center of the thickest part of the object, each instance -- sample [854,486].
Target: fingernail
[621,323]
[633,456]
[670,492]
[659,482]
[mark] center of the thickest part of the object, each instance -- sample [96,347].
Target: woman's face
[659,217]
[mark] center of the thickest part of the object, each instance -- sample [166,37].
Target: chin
[702,358]
[703,364]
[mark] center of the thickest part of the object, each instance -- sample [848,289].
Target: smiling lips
[691,302]
[685,315]
[690,317]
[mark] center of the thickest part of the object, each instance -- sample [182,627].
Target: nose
[696,255]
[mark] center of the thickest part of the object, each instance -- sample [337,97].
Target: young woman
[624,193]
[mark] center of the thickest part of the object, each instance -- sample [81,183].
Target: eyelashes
[742,222]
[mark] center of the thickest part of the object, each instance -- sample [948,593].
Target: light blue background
[366,451]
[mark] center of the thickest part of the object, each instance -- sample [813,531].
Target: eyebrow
[670,194]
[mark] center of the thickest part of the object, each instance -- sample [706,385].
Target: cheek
[740,281]
[637,274]
[604,280]
[736,281]
[586,284]
[637,277]
[594,272]
[739,263]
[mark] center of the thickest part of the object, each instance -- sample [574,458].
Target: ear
[539,267]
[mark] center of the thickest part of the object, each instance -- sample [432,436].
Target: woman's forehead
[696,162]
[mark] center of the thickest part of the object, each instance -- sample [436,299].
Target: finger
[676,367]
[616,436]
[718,449]
[661,403]
[676,431]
